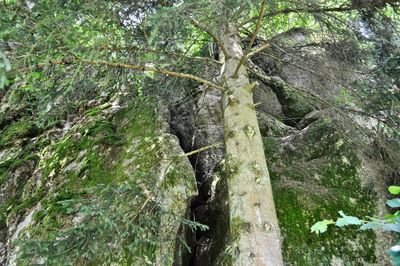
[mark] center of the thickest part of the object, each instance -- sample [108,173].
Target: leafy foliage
[390,222]
[113,224]
[321,226]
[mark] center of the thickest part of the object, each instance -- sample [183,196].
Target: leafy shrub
[390,222]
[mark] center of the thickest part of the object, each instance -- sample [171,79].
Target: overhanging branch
[258,50]
[133,67]
[155,51]
[347,8]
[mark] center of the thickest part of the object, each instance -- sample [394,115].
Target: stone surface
[119,147]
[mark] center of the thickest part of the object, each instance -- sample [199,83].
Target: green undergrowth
[13,105]
[314,176]
[86,173]
[17,130]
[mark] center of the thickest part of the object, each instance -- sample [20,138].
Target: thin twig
[203,149]
[253,38]
[258,50]
[216,39]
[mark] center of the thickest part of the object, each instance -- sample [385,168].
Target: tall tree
[152,35]
[250,193]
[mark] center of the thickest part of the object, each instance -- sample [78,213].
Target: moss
[312,181]
[93,112]
[238,227]
[295,103]
[28,202]
[301,247]
[271,146]
[14,202]
[96,161]
[99,164]
[13,106]
[17,130]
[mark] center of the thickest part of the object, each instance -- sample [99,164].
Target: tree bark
[254,230]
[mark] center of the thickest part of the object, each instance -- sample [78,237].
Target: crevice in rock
[197,123]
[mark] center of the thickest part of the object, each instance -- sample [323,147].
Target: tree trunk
[254,231]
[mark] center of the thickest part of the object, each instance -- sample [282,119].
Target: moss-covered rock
[17,130]
[101,186]
[316,173]
[13,105]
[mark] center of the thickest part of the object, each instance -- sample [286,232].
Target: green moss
[312,181]
[93,112]
[25,203]
[298,210]
[13,104]
[100,159]
[271,146]
[238,227]
[17,130]
[295,103]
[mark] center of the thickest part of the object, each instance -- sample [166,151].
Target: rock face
[111,183]
[198,123]
[299,58]
[107,176]
[321,160]
[316,172]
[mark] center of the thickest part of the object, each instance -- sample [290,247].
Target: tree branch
[134,67]
[155,51]
[218,145]
[216,39]
[253,38]
[258,50]
[365,5]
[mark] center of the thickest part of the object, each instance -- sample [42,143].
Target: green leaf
[393,203]
[369,225]
[36,75]
[394,253]
[347,220]
[394,190]
[391,227]
[321,226]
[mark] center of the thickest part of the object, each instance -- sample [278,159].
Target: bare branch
[258,50]
[253,38]
[134,67]
[218,145]
[216,39]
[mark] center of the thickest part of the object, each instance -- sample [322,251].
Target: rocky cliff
[111,182]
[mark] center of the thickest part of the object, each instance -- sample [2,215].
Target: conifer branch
[253,38]
[215,38]
[342,8]
[133,67]
[155,51]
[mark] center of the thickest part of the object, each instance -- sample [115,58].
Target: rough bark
[254,231]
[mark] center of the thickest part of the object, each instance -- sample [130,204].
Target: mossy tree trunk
[254,231]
